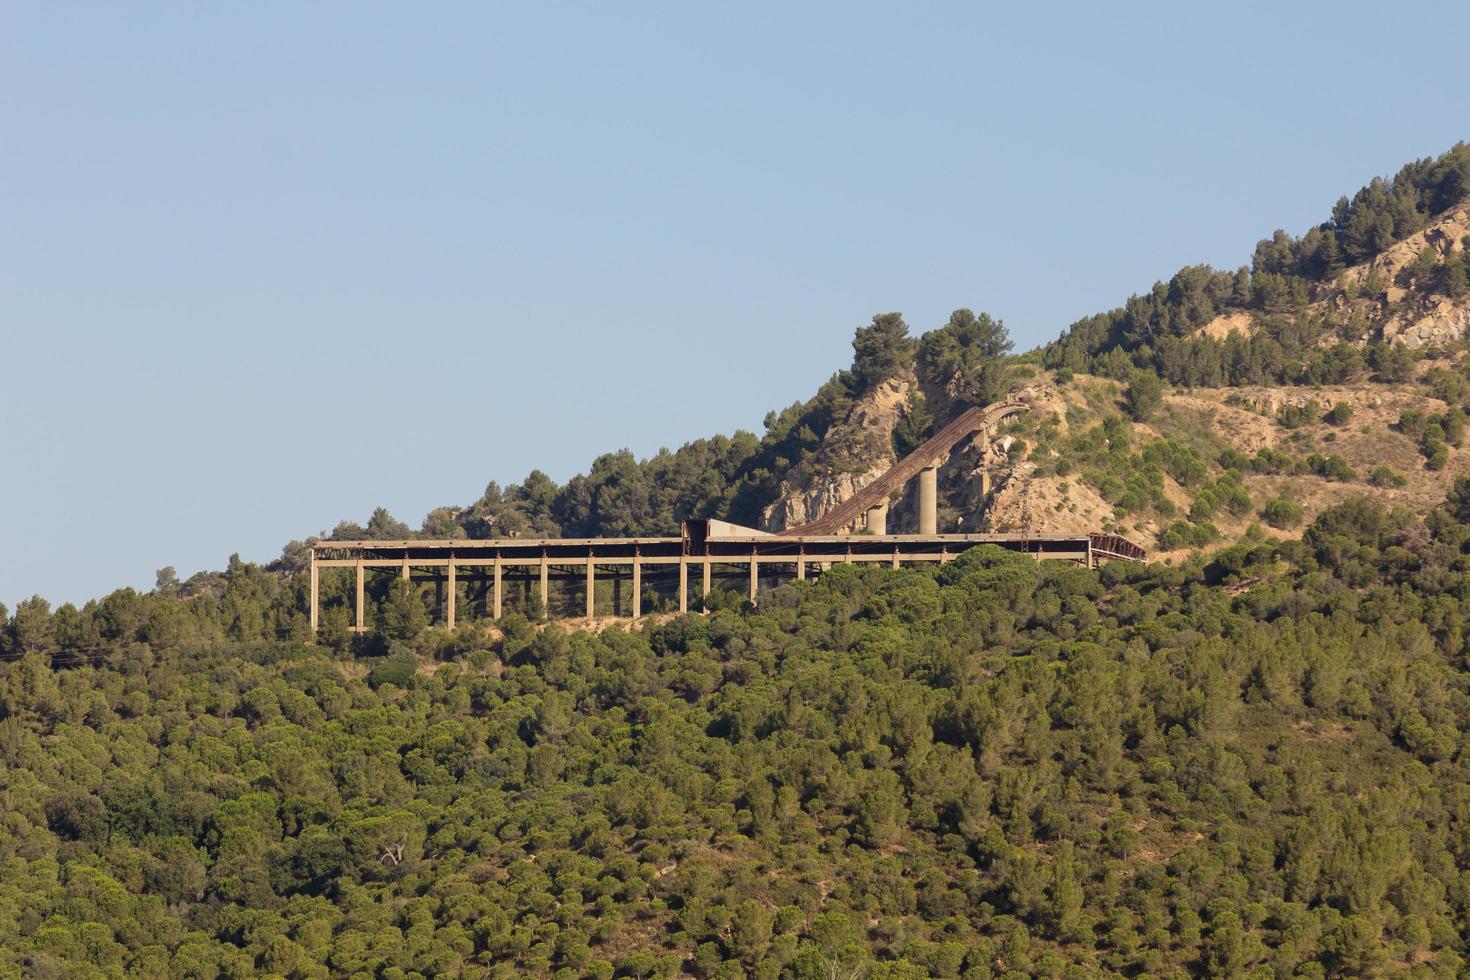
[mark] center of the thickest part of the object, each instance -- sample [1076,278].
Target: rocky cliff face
[1402,313]
[995,488]
[1443,324]
[1412,319]
[855,453]
[1003,483]
[866,440]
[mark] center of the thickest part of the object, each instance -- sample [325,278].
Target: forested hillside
[1296,296]
[1251,766]
[1247,758]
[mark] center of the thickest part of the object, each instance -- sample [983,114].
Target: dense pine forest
[1157,331]
[1248,762]
[1252,765]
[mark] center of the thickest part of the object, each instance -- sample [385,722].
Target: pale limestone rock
[864,440]
[1445,324]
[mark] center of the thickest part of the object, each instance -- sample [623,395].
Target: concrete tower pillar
[877,520]
[360,602]
[497,599]
[315,594]
[450,595]
[637,588]
[929,499]
[591,587]
[545,586]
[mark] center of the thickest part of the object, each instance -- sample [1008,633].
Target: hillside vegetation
[1199,467]
[1252,767]
[1246,759]
[1264,323]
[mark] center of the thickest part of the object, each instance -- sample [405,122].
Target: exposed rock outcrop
[967,474]
[855,452]
[1021,501]
[1226,324]
[1445,324]
[1398,315]
[1444,235]
[796,507]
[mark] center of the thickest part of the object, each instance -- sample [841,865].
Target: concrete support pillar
[800,564]
[754,576]
[895,556]
[403,572]
[877,521]
[591,587]
[706,577]
[316,595]
[637,588]
[929,500]
[450,597]
[984,483]
[359,624]
[683,585]
[1089,554]
[496,595]
[545,586]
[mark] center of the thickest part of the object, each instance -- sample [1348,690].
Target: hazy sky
[267,266]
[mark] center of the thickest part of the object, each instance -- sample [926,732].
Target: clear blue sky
[267,266]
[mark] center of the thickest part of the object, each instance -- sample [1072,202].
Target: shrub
[1282,513]
[1391,362]
[1233,459]
[1332,467]
[1339,414]
[1411,422]
[1296,416]
[1144,395]
[1180,462]
[1225,492]
[398,670]
[1184,535]
[1382,476]
[1272,461]
[1452,423]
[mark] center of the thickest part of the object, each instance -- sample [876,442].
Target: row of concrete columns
[876,520]
[1081,552]
[497,592]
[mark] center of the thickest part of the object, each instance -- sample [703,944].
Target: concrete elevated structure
[868,507]
[707,550]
